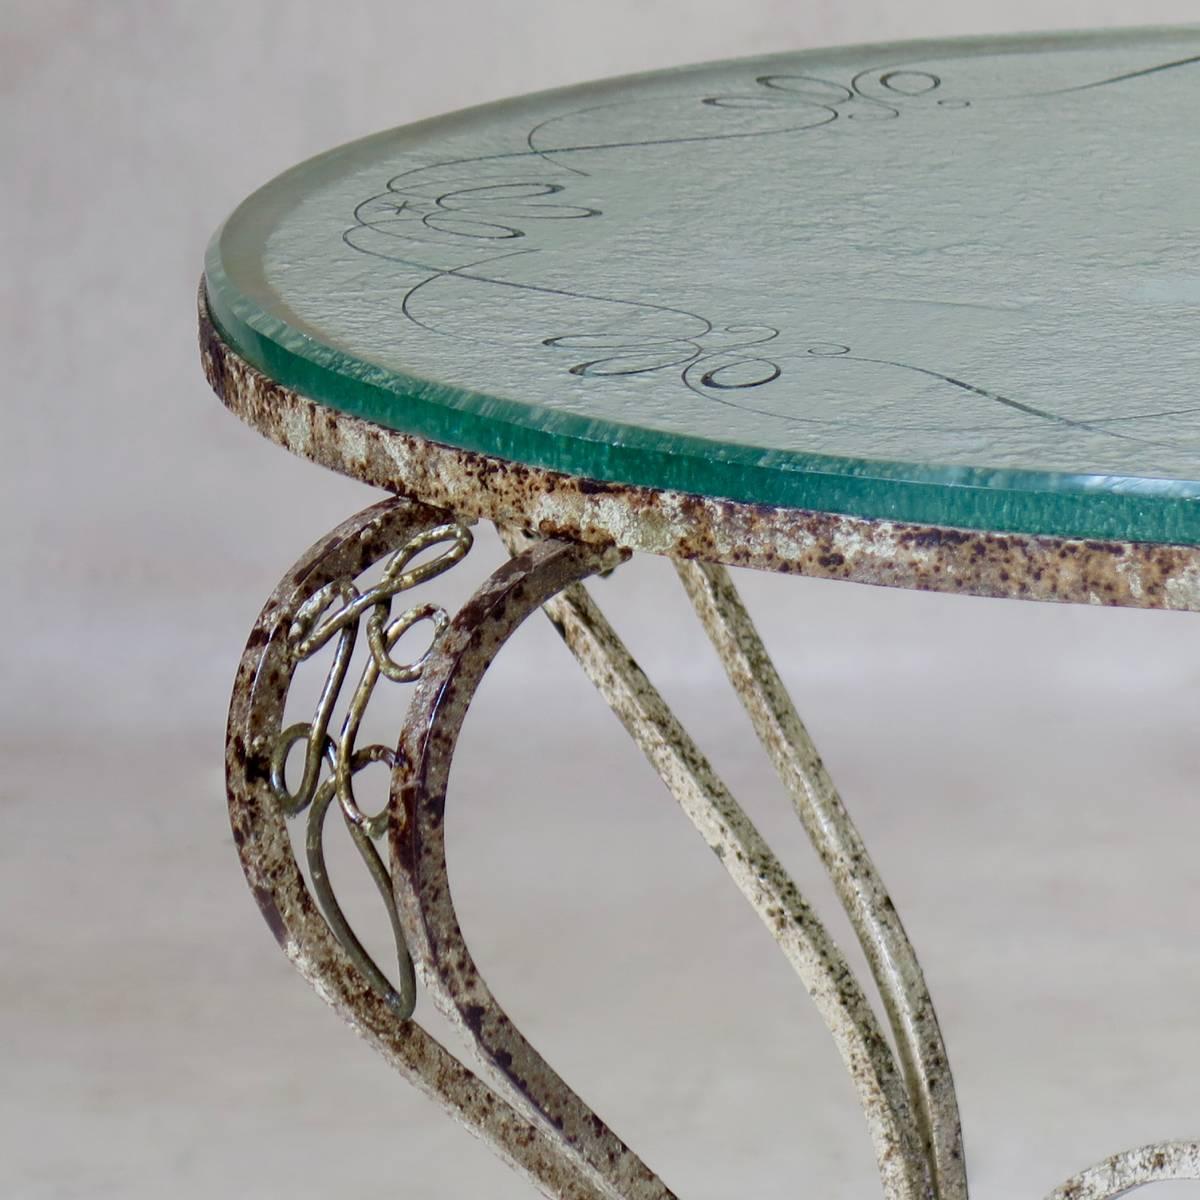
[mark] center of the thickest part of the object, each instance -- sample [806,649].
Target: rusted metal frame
[904,1171]
[880,932]
[890,954]
[259,812]
[525,1130]
[1165,1162]
[535,1123]
[418,855]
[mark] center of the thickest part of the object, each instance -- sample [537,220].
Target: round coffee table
[919,315]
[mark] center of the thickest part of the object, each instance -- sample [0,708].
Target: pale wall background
[1025,774]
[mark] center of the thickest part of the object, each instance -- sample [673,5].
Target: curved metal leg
[925,1136]
[892,960]
[1166,1162]
[526,1111]
[417,836]
[903,1167]
[877,925]
[319,602]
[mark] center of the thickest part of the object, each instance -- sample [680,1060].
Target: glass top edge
[600,440]
[341,366]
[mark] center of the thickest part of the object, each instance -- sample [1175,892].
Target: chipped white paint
[1181,588]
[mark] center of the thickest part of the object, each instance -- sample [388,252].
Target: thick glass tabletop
[955,283]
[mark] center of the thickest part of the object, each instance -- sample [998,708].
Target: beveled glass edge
[1105,515]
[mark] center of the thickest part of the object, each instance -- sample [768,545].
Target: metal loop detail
[334,612]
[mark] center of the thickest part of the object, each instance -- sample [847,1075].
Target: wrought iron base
[523,1109]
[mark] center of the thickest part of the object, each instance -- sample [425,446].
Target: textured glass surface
[949,282]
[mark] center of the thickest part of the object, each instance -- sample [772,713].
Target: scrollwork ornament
[335,613]
[322,603]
